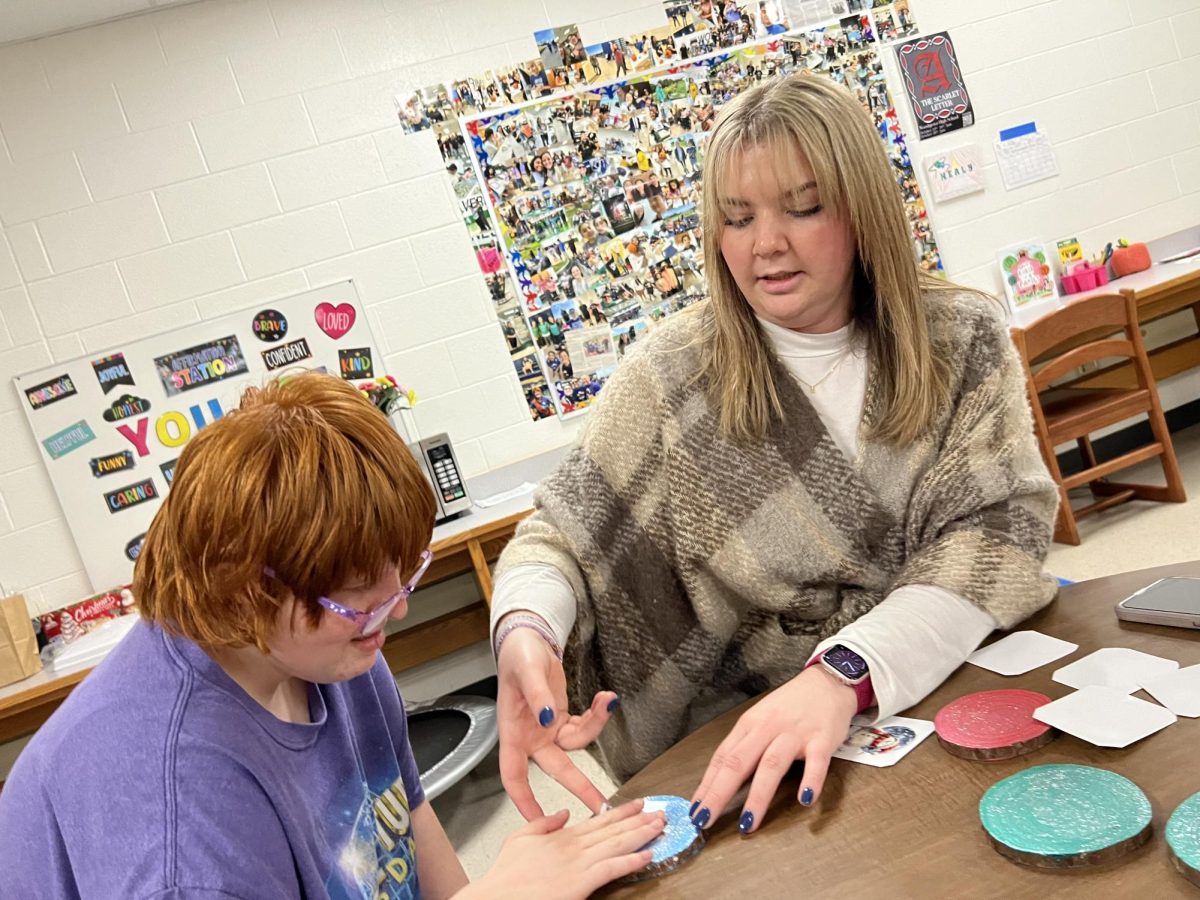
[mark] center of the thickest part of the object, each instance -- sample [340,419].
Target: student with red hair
[247,739]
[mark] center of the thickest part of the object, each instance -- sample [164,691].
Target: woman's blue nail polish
[702,818]
[746,822]
[692,811]
[546,716]
[614,703]
[806,796]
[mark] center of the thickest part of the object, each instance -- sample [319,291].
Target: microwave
[436,459]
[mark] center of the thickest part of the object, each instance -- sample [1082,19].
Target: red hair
[306,477]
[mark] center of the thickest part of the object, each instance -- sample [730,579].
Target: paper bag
[18,645]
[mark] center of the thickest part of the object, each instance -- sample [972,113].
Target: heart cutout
[335,321]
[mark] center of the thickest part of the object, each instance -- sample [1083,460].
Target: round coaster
[992,725]
[1183,838]
[1065,817]
[679,842]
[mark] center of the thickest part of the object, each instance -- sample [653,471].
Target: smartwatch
[851,670]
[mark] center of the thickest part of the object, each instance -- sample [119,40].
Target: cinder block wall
[181,164]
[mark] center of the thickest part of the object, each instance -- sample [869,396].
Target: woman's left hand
[807,718]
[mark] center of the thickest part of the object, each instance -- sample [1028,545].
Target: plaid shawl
[706,572]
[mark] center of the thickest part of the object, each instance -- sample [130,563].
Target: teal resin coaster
[1065,817]
[1183,837]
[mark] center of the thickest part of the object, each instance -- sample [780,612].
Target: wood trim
[483,573]
[506,525]
[1169,359]
[438,637]
[56,690]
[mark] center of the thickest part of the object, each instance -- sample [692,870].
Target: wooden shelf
[438,637]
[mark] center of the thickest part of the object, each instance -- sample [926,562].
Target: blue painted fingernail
[806,796]
[546,716]
[702,818]
[746,822]
[692,811]
[614,703]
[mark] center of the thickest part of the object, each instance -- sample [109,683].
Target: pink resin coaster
[993,725]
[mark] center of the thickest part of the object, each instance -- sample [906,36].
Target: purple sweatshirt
[160,777]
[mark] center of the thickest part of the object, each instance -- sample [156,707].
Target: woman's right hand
[545,861]
[531,711]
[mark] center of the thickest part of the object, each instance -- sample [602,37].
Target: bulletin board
[110,426]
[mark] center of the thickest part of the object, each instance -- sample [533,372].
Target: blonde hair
[306,477]
[855,182]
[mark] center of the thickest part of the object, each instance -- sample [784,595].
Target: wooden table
[463,545]
[913,831]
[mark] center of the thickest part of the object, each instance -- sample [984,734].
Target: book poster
[935,85]
[1028,281]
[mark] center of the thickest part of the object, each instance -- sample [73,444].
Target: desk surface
[1158,275]
[913,831]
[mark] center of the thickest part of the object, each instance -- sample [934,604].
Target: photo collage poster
[578,172]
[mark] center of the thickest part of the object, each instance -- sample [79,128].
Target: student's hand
[807,718]
[545,861]
[531,711]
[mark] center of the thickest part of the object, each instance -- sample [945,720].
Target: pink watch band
[863,690]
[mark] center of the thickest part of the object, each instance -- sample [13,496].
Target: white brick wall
[205,158]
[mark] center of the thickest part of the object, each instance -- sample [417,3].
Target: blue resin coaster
[679,842]
[1065,817]
[1183,837]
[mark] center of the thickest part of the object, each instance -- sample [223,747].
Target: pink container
[1084,276]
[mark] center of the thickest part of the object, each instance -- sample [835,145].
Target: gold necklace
[812,388]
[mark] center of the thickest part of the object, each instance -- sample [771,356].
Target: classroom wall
[175,166]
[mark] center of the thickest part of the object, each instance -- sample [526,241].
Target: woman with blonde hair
[820,487]
[251,738]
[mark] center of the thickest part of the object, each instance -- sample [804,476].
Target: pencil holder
[1084,276]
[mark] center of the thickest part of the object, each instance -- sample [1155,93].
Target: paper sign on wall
[112,428]
[954,173]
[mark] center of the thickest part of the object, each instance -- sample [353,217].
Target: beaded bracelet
[513,621]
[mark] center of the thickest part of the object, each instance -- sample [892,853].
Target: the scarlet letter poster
[935,85]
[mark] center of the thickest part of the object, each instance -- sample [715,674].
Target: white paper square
[884,743]
[1178,691]
[1119,668]
[1021,652]
[1105,717]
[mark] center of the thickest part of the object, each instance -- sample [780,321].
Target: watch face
[846,661]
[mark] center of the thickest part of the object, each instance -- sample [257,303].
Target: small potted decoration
[389,397]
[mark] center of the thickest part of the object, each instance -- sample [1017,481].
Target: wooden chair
[1102,327]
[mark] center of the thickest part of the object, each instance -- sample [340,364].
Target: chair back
[1084,330]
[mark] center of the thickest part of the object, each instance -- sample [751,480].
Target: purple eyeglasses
[371,620]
